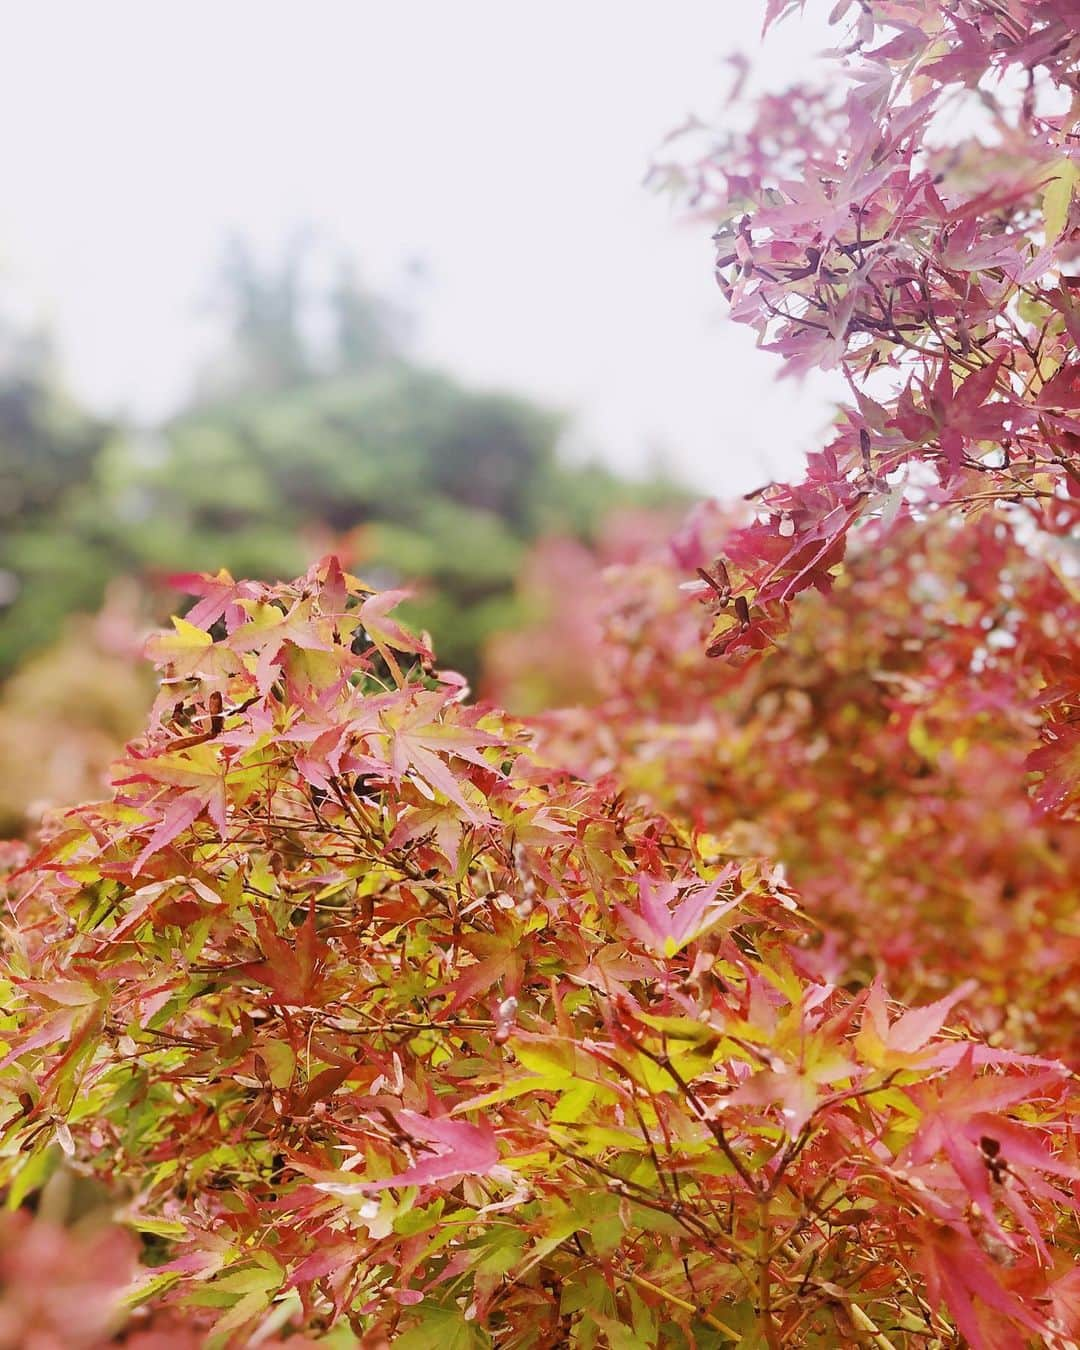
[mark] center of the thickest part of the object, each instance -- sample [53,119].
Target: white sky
[503,143]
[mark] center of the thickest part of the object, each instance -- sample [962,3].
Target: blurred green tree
[49,451]
[316,428]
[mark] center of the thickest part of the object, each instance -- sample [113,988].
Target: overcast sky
[503,143]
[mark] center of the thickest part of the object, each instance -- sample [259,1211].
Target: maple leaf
[219,596]
[1057,762]
[387,634]
[302,632]
[61,1024]
[455,1149]
[1062,390]
[960,1275]
[291,971]
[794,1082]
[666,928]
[1065,1300]
[420,734]
[963,1109]
[956,417]
[190,652]
[499,961]
[907,1041]
[207,781]
[441,824]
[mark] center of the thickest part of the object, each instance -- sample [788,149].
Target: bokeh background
[408,282]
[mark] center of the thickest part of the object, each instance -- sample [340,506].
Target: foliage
[268,311]
[387,1019]
[555,655]
[880,736]
[504,1058]
[879,753]
[856,231]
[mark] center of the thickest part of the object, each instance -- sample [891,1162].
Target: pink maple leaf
[456,1149]
[667,927]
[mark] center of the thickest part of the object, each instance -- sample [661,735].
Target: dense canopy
[734,1004]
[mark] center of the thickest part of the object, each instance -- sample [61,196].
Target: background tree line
[317,426]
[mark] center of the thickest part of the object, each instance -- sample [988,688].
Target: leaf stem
[642,1283]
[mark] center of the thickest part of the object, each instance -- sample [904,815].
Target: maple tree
[368,1014]
[880,754]
[857,232]
[732,1007]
